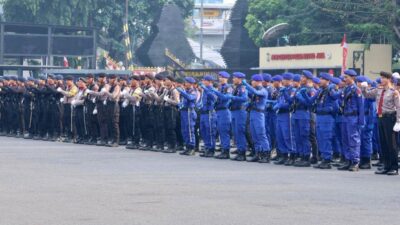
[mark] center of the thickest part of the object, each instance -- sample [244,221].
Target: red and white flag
[66,64]
[345,48]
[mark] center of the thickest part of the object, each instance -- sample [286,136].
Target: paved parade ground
[55,184]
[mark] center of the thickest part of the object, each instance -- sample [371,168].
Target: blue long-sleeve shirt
[188,98]
[224,96]
[240,99]
[258,96]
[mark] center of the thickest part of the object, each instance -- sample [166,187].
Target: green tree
[325,21]
[105,15]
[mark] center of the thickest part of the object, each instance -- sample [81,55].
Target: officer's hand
[276,106]
[166,98]
[364,84]
[95,111]
[73,103]
[59,89]
[396,127]
[125,104]
[146,92]
[61,100]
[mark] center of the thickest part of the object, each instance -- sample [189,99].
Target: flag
[345,48]
[66,64]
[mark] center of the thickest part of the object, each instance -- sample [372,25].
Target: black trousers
[170,123]
[52,118]
[133,124]
[102,120]
[388,142]
[80,120]
[159,127]
[179,138]
[92,124]
[68,121]
[124,121]
[147,117]
[113,121]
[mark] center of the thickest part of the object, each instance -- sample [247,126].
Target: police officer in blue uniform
[224,118]
[283,122]
[239,103]
[259,96]
[301,122]
[188,114]
[325,106]
[207,116]
[353,122]
[367,131]
[271,113]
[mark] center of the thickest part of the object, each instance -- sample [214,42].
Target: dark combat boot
[241,156]
[345,166]
[282,159]
[324,165]
[264,157]
[365,163]
[208,153]
[224,154]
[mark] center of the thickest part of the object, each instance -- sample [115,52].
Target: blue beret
[307,74]
[341,77]
[208,78]
[257,77]
[361,79]
[277,78]
[336,80]
[287,76]
[21,79]
[325,76]
[224,74]
[297,77]
[374,84]
[369,81]
[239,75]
[267,77]
[350,73]
[378,80]
[190,80]
[316,80]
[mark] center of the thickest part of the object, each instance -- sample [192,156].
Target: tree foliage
[106,15]
[325,21]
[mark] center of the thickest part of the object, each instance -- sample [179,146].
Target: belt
[258,110]
[350,114]
[325,113]
[220,108]
[385,115]
[238,108]
[283,111]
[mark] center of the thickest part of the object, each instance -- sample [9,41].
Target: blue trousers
[366,142]
[337,137]
[376,145]
[284,133]
[351,138]
[270,126]
[224,128]
[257,131]
[326,126]
[208,128]
[301,131]
[188,120]
[239,118]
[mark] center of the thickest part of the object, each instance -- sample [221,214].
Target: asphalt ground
[43,183]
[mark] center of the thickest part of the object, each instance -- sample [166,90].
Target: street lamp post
[201,30]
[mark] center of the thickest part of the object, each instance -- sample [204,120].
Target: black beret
[160,77]
[171,78]
[89,75]
[124,78]
[134,77]
[142,77]
[6,78]
[386,75]
[69,78]
[180,80]
[59,77]
[50,76]
[102,75]
[83,79]
[21,79]
[151,77]
[112,76]
[14,78]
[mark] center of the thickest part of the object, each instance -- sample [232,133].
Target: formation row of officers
[341,122]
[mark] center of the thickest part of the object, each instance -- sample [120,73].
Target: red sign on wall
[301,56]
